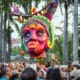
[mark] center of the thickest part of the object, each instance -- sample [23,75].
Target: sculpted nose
[34,36]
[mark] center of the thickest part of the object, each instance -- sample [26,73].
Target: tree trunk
[4,38]
[9,45]
[9,30]
[1,32]
[30,6]
[65,36]
[75,33]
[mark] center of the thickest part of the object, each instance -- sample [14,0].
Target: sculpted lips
[32,44]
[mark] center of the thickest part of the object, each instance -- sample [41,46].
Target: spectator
[14,77]
[29,74]
[41,75]
[53,74]
[5,73]
[75,74]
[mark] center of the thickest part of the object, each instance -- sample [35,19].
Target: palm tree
[6,28]
[1,33]
[75,34]
[5,12]
[65,39]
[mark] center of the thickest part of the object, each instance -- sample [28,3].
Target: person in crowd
[47,66]
[25,64]
[52,64]
[14,77]
[75,73]
[29,74]
[53,74]
[64,73]
[41,75]
[5,73]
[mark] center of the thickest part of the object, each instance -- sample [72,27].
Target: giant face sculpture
[36,36]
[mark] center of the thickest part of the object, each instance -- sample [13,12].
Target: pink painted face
[35,38]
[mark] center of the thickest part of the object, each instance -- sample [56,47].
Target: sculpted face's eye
[40,32]
[26,34]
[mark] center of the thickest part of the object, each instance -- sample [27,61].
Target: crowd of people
[24,71]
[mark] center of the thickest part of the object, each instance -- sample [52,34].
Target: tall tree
[5,10]
[65,38]
[1,33]
[75,33]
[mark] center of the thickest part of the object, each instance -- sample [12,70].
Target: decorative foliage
[33,10]
[20,19]
[47,11]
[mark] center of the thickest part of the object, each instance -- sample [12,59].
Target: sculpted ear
[47,43]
